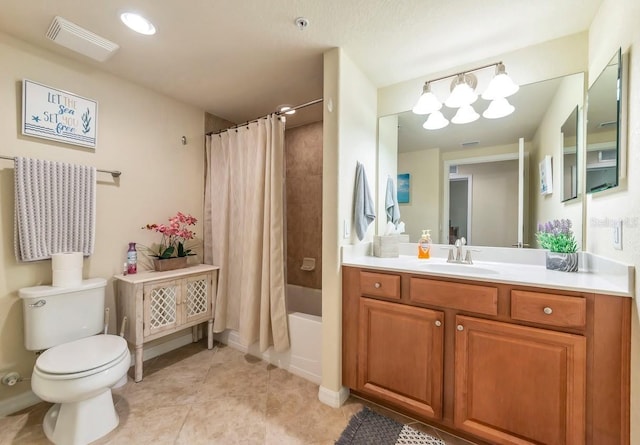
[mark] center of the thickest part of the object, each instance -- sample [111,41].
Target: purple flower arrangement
[557,236]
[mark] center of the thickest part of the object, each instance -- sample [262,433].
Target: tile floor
[195,396]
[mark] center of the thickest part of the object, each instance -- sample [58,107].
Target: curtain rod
[114,173]
[307,104]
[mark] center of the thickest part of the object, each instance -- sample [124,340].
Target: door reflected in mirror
[570,156]
[603,128]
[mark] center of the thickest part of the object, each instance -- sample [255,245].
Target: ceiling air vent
[78,39]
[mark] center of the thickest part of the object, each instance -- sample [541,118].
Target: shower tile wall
[303,154]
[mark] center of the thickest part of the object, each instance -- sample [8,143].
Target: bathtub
[304,358]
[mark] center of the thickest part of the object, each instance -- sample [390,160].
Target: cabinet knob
[547,310]
[438,323]
[460,327]
[377,285]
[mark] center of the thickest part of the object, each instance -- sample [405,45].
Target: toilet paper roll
[67,278]
[66,261]
[67,269]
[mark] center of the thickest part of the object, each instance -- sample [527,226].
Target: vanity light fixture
[138,23]
[435,121]
[463,94]
[463,91]
[428,102]
[465,115]
[501,85]
[499,107]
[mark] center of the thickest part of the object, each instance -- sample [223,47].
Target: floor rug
[370,428]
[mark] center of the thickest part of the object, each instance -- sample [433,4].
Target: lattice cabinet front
[160,303]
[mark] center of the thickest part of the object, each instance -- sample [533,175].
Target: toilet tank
[56,315]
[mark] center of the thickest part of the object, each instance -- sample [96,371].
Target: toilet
[79,365]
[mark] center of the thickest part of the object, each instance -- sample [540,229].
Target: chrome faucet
[458,258]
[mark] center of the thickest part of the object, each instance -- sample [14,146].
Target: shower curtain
[243,233]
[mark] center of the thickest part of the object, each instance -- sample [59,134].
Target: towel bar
[114,173]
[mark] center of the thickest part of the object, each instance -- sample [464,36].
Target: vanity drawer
[466,297]
[549,309]
[380,285]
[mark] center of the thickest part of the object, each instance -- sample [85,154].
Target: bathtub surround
[244,232]
[303,157]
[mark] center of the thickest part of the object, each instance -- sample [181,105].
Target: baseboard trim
[334,399]
[17,403]
[162,348]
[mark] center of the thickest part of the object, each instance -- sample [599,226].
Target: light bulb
[465,115]
[498,108]
[435,121]
[428,102]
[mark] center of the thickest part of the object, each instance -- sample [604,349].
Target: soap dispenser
[424,245]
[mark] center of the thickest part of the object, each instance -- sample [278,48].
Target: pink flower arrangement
[174,235]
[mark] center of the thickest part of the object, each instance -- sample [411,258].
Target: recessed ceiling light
[286,109]
[138,23]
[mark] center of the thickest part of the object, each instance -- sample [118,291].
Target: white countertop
[597,275]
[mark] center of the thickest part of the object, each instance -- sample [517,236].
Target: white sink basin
[459,268]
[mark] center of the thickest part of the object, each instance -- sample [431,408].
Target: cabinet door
[400,355]
[519,385]
[197,298]
[161,307]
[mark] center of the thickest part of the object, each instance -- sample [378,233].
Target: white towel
[54,208]
[391,202]
[363,209]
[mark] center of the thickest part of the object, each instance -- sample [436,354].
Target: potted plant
[557,238]
[171,252]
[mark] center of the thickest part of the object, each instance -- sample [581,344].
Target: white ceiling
[240,59]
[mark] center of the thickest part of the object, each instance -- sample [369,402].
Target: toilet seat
[81,358]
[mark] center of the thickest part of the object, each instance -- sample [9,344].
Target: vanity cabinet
[495,363]
[517,384]
[157,304]
[400,349]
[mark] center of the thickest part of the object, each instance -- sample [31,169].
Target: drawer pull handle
[377,285]
[460,327]
[438,323]
[547,310]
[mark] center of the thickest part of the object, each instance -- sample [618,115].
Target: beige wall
[303,157]
[615,26]
[548,141]
[349,136]
[139,134]
[387,164]
[423,209]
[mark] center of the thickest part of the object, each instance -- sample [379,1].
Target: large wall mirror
[481,180]
[603,128]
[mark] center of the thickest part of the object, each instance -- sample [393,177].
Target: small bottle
[424,245]
[132,259]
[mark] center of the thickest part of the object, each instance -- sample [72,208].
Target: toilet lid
[82,355]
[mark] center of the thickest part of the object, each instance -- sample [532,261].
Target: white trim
[334,399]
[162,348]
[469,179]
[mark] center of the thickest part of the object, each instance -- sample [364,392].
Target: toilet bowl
[77,377]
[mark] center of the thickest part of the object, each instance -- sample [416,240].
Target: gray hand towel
[55,208]
[363,209]
[391,202]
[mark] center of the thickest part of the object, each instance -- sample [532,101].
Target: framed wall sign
[57,115]
[546,176]
[404,180]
